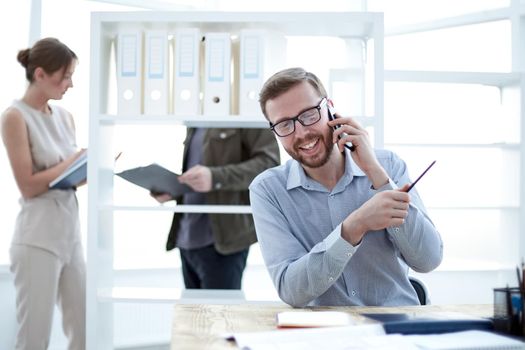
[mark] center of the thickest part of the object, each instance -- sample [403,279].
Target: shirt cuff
[339,248]
[390,185]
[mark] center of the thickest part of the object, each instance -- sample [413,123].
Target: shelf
[343,24]
[228,121]
[210,209]
[492,79]
[186,296]
[502,145]
[202,121]
[456,21]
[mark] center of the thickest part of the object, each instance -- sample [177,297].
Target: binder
[262,53]
[75,173]
[156,78]
[217,74]
[129,72]
[186,79]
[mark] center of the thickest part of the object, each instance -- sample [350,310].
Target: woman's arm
[16,141]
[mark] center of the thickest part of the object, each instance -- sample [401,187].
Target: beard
[321,157]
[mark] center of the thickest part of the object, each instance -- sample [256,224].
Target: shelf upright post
[99,315]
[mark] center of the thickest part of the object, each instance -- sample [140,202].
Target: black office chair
[421,290]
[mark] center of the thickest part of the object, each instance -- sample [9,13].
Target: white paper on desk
[334,338]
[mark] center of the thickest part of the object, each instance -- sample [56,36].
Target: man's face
[310,145]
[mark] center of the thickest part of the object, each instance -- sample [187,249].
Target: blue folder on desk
[429,324]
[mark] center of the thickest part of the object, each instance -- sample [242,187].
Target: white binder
[262,53]
[156,78]
[129,72]
[186,79]
[217,74]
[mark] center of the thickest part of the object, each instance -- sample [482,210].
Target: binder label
[251,57]
[156,57]
[129,56]
[186,61]
[216,60]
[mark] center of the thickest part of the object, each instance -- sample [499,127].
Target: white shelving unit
[366,28]
[505,82]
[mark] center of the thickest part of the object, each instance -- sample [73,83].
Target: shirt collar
[297,176]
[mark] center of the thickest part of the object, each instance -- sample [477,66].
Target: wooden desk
[200,326]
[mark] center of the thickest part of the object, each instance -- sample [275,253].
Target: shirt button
[354,293]
[349,253]
[222,135]
[218,185]
[396,230]
[330,279]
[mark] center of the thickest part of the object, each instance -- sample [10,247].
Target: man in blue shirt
[333,226]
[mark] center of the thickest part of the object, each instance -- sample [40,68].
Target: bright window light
[474,48]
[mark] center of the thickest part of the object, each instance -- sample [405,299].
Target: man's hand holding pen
[384,209]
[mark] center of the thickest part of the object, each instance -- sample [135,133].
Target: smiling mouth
[310,145]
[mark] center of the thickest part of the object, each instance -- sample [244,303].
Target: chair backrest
[421,290]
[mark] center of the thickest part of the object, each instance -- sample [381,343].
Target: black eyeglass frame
[297,118]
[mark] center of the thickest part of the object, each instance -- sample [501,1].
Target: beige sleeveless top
[49,221]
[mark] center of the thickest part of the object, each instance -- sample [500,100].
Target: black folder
[429,323]
[156,179]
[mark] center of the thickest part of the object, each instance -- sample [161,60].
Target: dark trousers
[205,268]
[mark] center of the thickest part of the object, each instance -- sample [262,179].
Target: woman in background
[46,252]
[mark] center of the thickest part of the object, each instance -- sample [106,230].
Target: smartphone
[331,116]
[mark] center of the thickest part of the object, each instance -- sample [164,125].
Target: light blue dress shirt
[298,225]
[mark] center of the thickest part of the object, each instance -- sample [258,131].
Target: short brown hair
[284,80]
[49,53]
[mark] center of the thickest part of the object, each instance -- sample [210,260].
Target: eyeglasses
[307,117]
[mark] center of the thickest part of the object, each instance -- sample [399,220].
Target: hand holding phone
[331,116]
